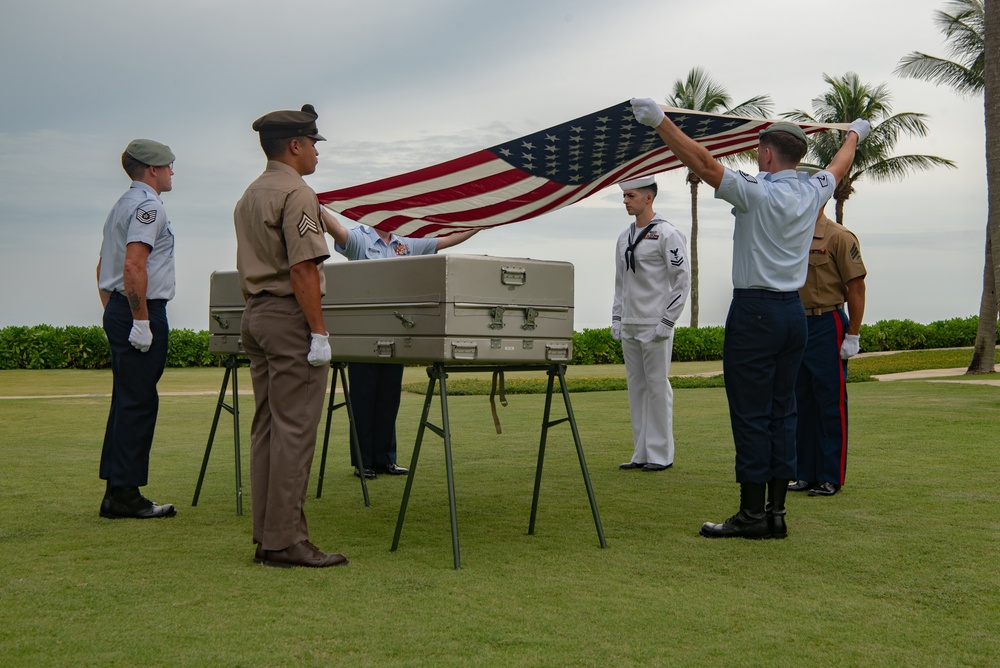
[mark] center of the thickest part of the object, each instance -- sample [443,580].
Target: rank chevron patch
[145,217]
[307,224]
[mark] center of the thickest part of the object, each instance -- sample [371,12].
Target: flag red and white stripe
[539,173]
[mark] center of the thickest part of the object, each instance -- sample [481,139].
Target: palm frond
[899,167]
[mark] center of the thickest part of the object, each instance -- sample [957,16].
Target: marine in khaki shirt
[836,274]
[278,225]
[834,261]
[281,246]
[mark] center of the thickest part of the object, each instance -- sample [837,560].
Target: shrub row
[48,347]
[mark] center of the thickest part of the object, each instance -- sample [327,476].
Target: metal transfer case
[451,308]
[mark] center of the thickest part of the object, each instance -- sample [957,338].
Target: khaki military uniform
[834,259]
[278,225]
[821,386]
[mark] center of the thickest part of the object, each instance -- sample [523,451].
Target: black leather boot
[125,502]
[750,522]
[775,509]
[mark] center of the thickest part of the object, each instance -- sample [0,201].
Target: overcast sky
[402,84]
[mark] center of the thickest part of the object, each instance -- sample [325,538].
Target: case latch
[529,319]
[497,314]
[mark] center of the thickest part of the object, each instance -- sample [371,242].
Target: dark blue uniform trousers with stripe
[765,337]
[128,436]
[821,392]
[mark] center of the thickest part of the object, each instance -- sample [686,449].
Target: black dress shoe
[801,486]
[302,554]
[741,525]
[369,473]
[824,489]
[392,469]
[627,466]
[656,467]
[259,555]
[127,502]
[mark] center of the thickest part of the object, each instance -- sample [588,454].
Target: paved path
[931,374]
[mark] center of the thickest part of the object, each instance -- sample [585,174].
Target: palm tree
[849,98]
[991,46]
[699,92]
[964,29]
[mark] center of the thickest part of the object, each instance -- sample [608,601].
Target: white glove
[646,111]
[850,347]
[140,337]
[862,127]
[616,330]
[319,350]
[662,332]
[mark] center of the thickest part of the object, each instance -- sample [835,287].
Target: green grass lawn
[898,569]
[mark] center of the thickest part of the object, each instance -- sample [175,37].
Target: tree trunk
[984,352]
[694,180]
[986,336]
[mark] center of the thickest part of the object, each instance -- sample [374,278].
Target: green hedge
[48,347]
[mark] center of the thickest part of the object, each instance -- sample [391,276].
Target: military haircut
[787,145]
[135,169]
[275,148]
[650,189]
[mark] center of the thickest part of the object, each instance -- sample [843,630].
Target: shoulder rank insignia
[676,259]
[307,225]
[145,217]
[855,253]
[823,181]
[747,177]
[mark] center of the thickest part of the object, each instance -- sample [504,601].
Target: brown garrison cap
[785,126]
[150,152]
[280,124]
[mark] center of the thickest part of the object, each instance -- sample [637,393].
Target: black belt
[151,302]
[760,293]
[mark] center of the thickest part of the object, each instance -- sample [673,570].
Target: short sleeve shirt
[139,216]
[834,259]
[364,243]
[775,215]
[278,225]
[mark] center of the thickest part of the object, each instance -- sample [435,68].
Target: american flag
[538,173]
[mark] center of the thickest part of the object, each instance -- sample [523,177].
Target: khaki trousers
[288,395]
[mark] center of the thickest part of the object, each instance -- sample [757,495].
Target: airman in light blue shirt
[775,215]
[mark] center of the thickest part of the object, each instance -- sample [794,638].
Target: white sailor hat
[641,182]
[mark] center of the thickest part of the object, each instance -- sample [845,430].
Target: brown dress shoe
[302,554]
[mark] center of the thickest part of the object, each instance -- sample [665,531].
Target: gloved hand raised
[140,337]
[850,347]
[646,111]
[319,350]
[862,127]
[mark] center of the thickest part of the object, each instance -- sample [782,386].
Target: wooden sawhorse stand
[438,373]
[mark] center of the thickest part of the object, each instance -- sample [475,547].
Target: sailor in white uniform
[652,281]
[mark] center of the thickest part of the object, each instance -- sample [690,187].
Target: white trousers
[650,397]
